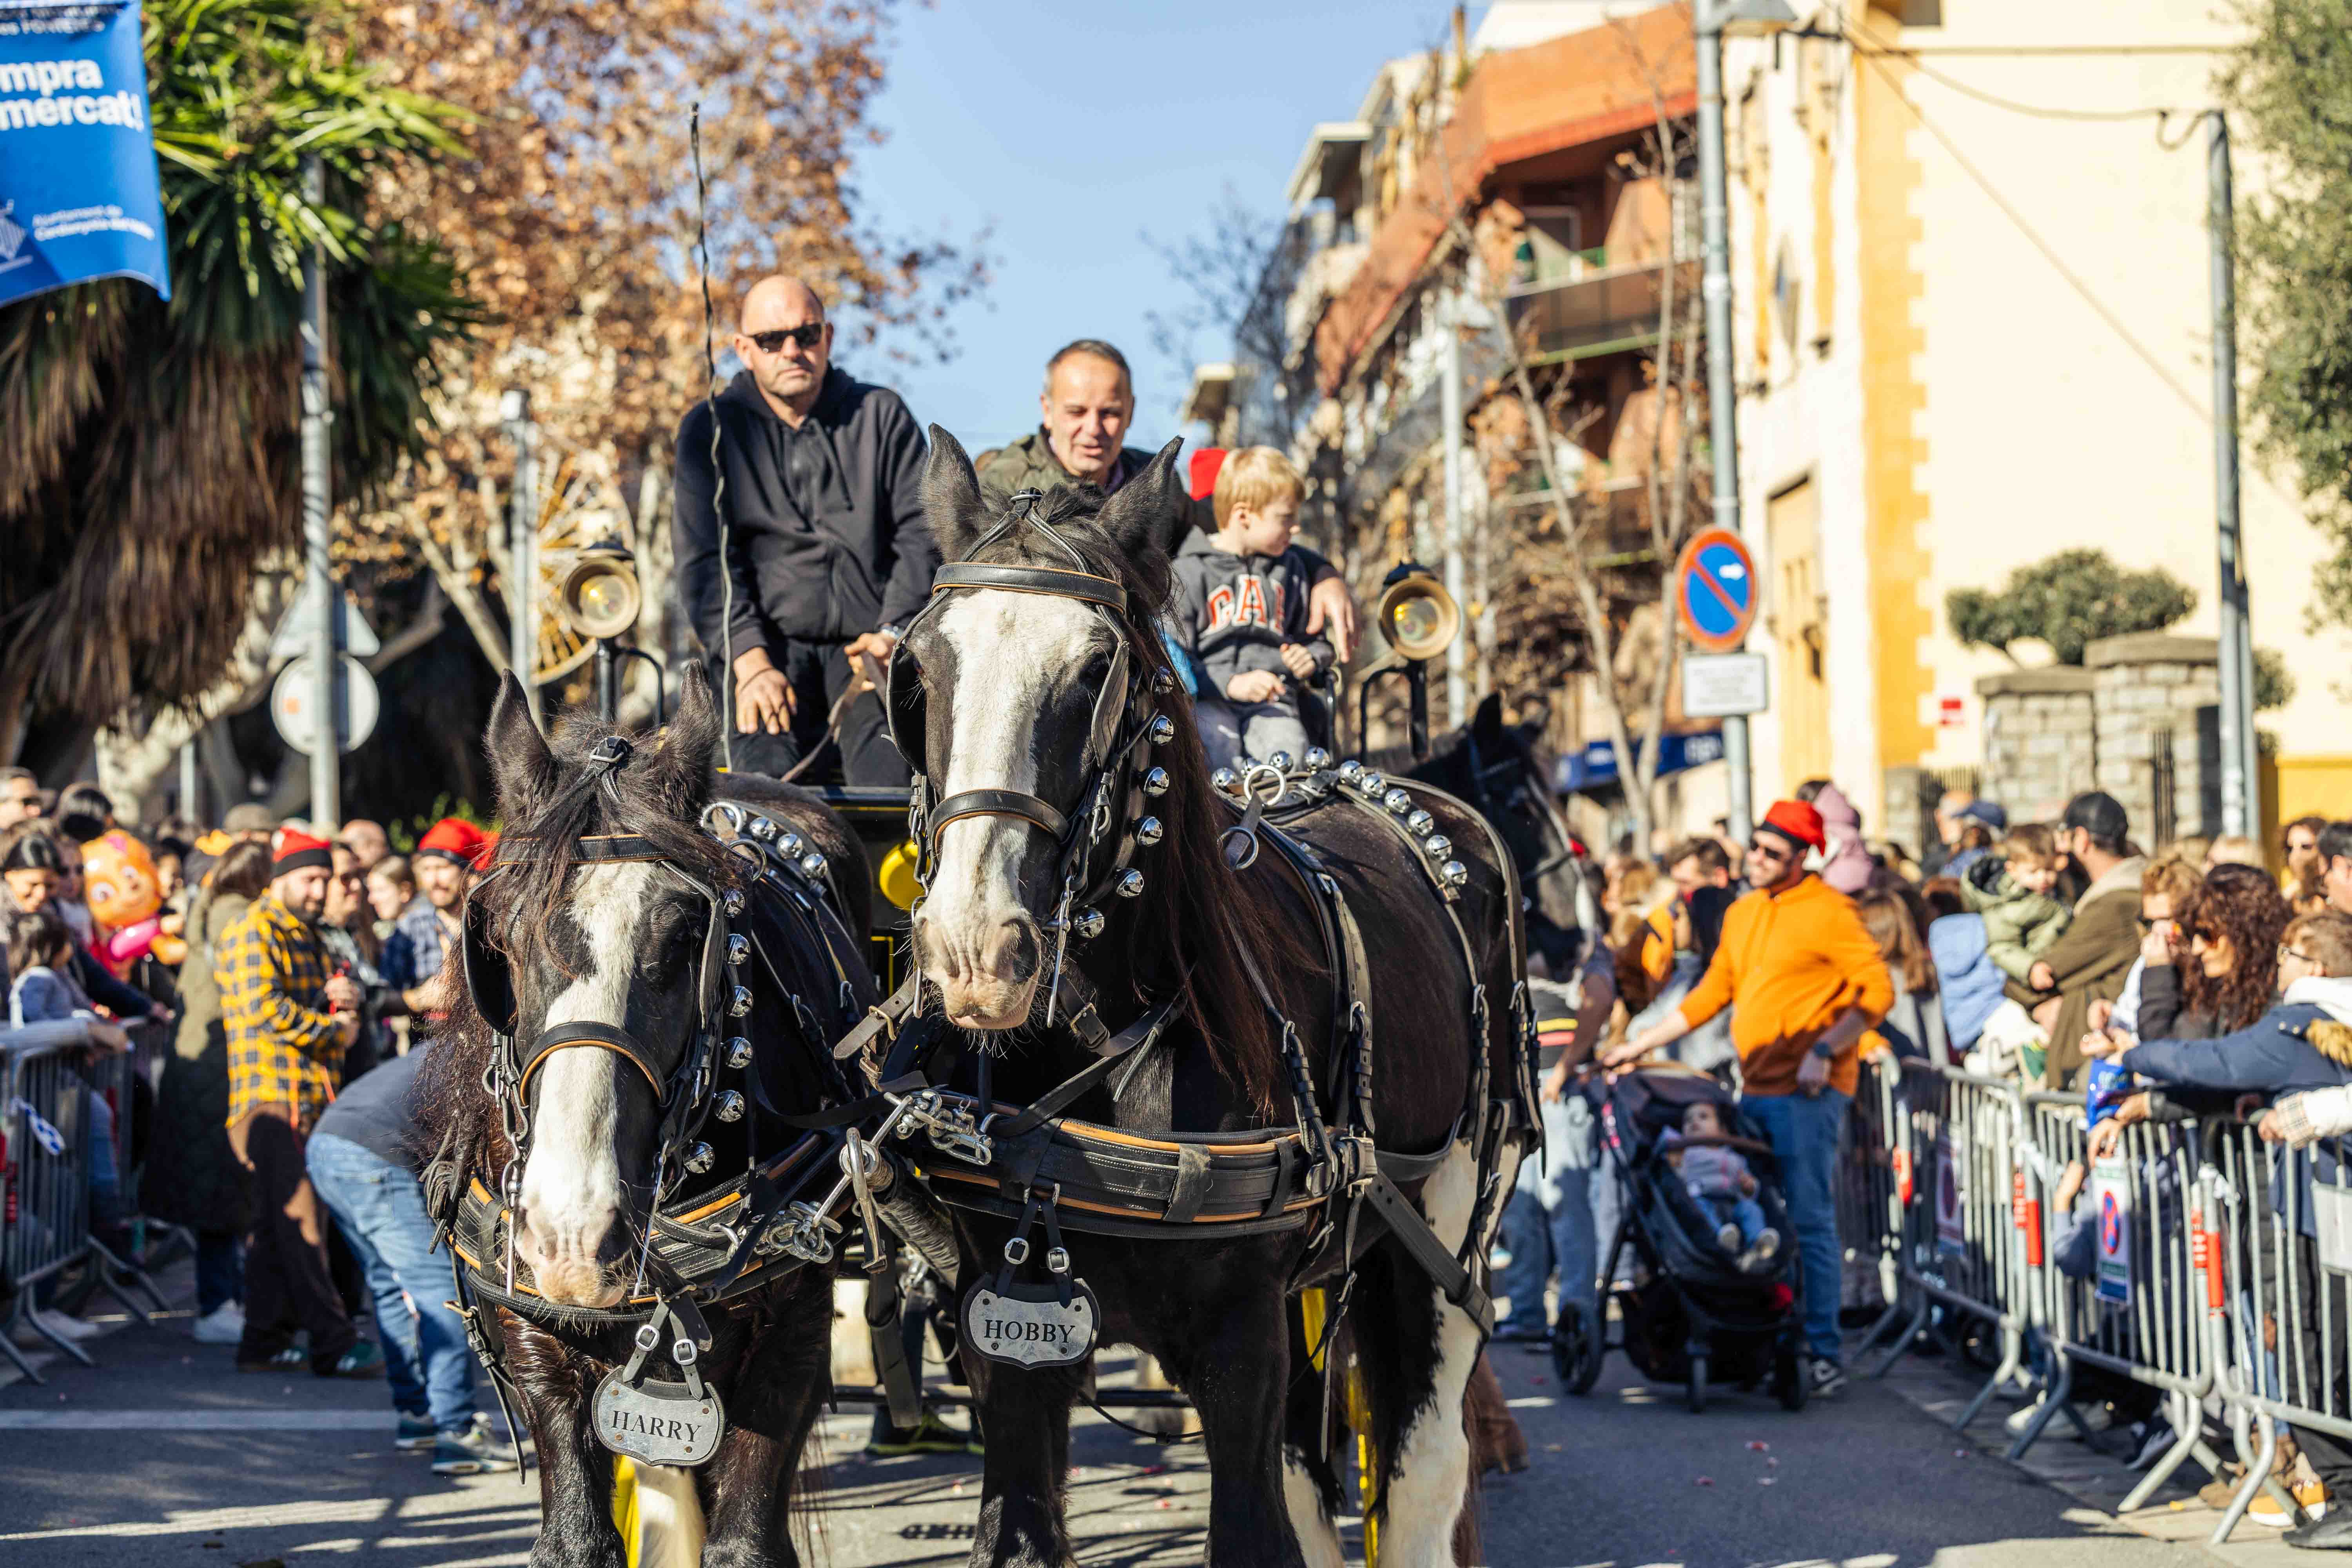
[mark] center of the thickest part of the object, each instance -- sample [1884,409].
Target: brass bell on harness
[1156,781]
[1420,824]
[1149,832]
[699,1158]
[1130,885]
[1352,770]
[738,1052]
[739,948]
[741,1003]
[1372,783]
[1317,759]
[727,1107]
[790,844]
[1397,801]
[1162,730]
[1225,781]
[1164,681]
[762,829]
[1280,762]
[1454,873]
[812,865]
[732,901]
[1086,924]
[1438,846]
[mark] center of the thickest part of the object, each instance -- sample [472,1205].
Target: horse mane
[1193,913]
[650,797]
[1399,760]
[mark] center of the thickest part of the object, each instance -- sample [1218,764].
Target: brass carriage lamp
[1419,620]
[600,597]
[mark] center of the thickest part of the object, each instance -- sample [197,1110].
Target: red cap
[1204,467]
[1796,820]
[296,850]
[454,838]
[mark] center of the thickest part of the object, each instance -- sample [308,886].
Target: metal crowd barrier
[2198,1260]
[1956,1147]
[48,1085]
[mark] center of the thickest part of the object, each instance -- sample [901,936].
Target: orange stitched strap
[627,1053]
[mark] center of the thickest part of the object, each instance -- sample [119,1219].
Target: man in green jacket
[1084,412]
[2090,961]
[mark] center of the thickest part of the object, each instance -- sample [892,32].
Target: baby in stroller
[1718,1180]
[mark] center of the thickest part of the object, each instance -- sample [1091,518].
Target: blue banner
[1595,766]
[79,197]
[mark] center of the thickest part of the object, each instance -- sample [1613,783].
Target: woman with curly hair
[2230,926]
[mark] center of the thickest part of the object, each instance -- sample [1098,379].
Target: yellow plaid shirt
[282,1046]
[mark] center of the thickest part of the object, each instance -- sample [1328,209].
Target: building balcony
[1615,515]
[1578,304]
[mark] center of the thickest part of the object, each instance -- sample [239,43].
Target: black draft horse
[1013,687]
[1505,771]
[622,944]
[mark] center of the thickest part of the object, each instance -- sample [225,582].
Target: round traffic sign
[1715,590]
[293,698]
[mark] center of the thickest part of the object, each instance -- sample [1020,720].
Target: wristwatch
[1823,1049]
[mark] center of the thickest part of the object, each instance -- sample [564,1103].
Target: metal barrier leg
[30,1319]
[2181,1412]
[8,1338]
[2012,1353]
[113,1273]
[2053,1400]
[1885,1319]
[2258,1475]
[1903,1340]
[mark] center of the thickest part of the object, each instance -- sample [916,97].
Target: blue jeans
[1804,1133]
[1745,1213]
[1549,1220]
[380,1210]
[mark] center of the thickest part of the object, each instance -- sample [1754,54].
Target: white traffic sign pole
[326,660]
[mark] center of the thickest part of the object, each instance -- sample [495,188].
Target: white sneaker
[2096,1417]
[223,1325]
[63,1325]
[1727,1239]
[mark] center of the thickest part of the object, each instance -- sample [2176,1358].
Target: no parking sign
[2111,1200]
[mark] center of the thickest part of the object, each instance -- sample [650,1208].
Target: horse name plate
[1026,1325]
[658,1423]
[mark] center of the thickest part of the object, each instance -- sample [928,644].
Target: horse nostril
[1012,954]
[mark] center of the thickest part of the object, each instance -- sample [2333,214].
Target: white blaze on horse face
[1011,650]
[571,1181]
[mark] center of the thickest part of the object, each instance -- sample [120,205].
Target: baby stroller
[1691,1315]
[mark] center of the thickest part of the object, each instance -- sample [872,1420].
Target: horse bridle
[1481,774]
[1124,724]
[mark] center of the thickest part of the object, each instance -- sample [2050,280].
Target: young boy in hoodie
[1241,611]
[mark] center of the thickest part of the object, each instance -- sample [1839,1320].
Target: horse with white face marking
[596,1071]
[1021,697]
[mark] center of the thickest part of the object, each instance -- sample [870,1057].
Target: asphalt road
[163,1456]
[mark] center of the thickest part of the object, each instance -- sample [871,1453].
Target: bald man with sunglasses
[826,553]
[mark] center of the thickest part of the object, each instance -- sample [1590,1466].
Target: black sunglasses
[808,337]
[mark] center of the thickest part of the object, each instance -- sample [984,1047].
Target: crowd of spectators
[2022,950]
[287,984]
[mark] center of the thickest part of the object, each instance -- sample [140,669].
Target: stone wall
[2154,695]
[2040,739]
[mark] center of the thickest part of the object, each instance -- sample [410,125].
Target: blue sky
[1074,128]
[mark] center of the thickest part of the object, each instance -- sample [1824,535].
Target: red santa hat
[454,838]
[297,851]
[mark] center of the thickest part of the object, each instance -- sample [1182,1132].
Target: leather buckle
[1356,1164]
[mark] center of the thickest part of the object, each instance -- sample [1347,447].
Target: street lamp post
[2240,778]
[522,538]
[1713,21]
[317,532]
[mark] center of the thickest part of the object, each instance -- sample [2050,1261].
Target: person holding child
[1242,613]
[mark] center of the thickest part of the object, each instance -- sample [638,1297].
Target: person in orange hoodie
[1805,982]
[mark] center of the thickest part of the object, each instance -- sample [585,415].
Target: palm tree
[148,451]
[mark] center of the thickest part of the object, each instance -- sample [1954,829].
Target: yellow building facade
[1973,320]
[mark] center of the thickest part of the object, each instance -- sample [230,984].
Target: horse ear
[1535,718]
[1140,517]
[1486,725]
[951,501]
[521,767]
[681,763]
